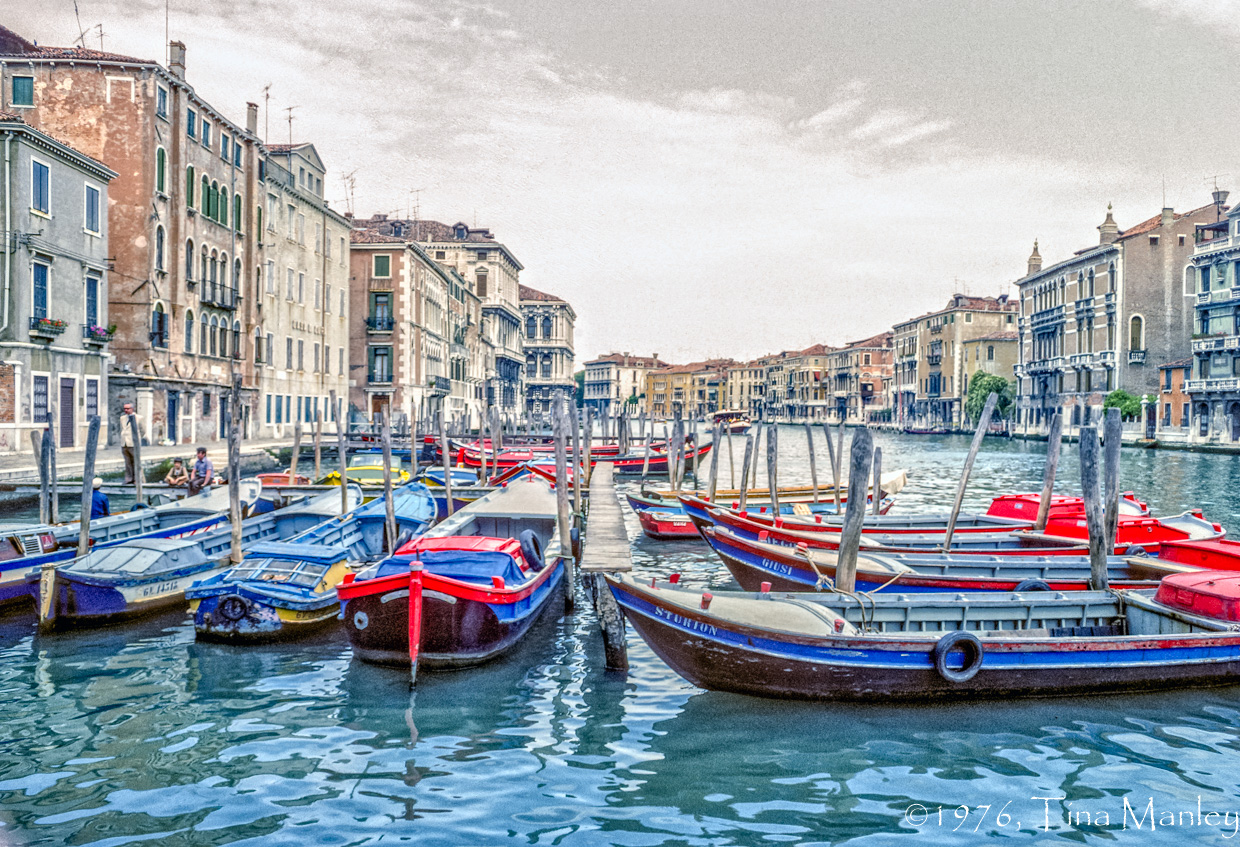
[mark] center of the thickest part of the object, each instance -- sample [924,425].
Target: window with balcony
[40,273]
[380,365]
[380,319]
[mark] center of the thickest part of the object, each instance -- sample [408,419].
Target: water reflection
[114,736]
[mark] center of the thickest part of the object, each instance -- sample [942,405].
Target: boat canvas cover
[142,557]
[469,559]
[293,551]
[529,498]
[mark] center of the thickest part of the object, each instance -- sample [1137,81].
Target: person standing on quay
[127,442]
[204,472]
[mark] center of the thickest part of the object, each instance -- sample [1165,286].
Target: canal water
[138,734]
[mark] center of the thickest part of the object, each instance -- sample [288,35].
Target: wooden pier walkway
[606,545]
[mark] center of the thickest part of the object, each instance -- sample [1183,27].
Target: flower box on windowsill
[47,327]
[96,334]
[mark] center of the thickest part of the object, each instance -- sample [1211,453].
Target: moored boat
[143,575]
[666,500]
[285,588]
[488,573]
[667,525]
[25,550]
[753,562]
[943,645]
[635,464]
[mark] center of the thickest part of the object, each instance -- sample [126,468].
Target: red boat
[282,479]
[666,525]
[1060,538]
[658,461]
[481,590]
[1025,506]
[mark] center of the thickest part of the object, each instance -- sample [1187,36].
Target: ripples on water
[139,734]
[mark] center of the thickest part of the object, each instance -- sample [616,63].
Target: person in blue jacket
[99,505]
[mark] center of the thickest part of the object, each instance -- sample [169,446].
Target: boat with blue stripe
[285,588]
[487,574]
[836,646]
[26,550]
[143,575]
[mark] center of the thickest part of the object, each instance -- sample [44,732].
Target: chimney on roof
[251,118]
[1108,231]
[176,60]
[1035,259]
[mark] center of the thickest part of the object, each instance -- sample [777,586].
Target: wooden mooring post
[714,461]
[813,467]
[1113,432]
[138,475]
[835,459]
[982,424]
[389,508]
[447,465]
[559,430]
[854,510]
[318,443]
[40,458]
[1053,442]
[88,488]
[1094,516]
[750,439]
[295,458]
[342,448]
[53,476]
[877,497]
[772,467]
[236,554]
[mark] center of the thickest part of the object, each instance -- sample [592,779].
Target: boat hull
[667,526]
[459,629]
[884,668]
[79,602]
[244,616]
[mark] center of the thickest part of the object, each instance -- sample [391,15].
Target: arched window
[990,353]
[215,271]
[237,212]
[189,187]
[236,280]
[205,270]
[258,345]
[159,327]
[189,259]
[258,216]
[215,331]
[1136,333]
[1091,282]
[161,171]
[205,196]
[204,333]
[189,331]
[159,248]
[531,327]
[547,326]
[222,210]
[1111,277]
[224,337]
[236,340]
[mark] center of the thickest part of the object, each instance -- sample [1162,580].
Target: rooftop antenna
[167,36]
[290,109]
[350,181]
[266,111]
[1220,196]
[101,34]
[81,39]
[417,213]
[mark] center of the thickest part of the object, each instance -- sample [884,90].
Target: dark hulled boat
[488,573]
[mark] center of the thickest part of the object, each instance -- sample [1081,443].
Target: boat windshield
[373,460]
[284,571]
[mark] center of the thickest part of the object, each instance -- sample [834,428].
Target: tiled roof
[1178,363]
[699,367]
[630,361]
[995,336]
[883,339]
[12,44]
[527,293]
[10,117]
[1156,221]
[369,236]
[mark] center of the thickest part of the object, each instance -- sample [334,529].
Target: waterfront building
[1103,318]
[807,390]
[936,353]
[302,330]
[1212,279]
[857,372]
[180,225]
[745,387]
[494,272]
[1173,402]
[548,349]
[616,380]
[54,321]
[390,346]
[694,388]
[468,351]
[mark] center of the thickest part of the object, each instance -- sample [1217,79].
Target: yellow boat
[366,470]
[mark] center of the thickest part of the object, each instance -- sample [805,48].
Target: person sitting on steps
[178,477]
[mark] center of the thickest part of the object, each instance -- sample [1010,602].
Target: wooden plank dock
[606,545]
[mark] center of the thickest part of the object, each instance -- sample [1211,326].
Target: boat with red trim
[487,574]
[754,562]
[943,646]
[634,464]
[666,500]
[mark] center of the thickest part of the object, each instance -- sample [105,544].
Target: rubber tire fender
[531,551]
[1032,585]
[973,655]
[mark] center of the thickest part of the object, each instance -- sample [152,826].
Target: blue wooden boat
[26,549]
[754,562]
[944,646]
[434,476]
[149,574]
[285,588]
[488,573]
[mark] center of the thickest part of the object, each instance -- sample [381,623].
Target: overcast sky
[723,178]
